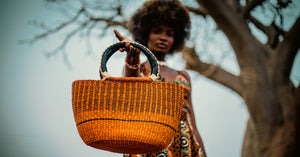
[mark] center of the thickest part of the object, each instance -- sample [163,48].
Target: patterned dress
[184,143]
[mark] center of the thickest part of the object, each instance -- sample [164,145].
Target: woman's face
[161,39]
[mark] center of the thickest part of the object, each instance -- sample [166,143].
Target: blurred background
[36,115]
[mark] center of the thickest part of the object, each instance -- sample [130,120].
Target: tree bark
[264,83]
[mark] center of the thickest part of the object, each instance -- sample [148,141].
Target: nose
[163,36]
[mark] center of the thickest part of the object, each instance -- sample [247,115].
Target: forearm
[196,132]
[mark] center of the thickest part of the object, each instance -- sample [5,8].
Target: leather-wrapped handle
[115,47]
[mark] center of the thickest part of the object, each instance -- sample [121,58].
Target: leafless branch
[110,22]
[52,31]
[272,31]
[198,11]
[258,24]
[235,4]
[287,51]
[88,33]
[86,21]
[292,36]
[66,40]
[211,71]
[251,5]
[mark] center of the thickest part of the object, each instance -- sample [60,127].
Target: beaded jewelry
[135,66]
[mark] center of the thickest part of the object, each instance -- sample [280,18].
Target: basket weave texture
[127,115]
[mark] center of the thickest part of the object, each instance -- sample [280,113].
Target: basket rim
[137,79]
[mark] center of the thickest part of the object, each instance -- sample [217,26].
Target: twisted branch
[52,31]
[199,11]
[211,71]
[66,40]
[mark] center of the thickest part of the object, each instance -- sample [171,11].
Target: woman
[163,26]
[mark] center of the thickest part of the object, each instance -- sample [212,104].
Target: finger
[118,35]
[138,50]
[135,50]
[131,48]
[126,48]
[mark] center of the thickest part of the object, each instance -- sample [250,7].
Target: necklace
[162,63]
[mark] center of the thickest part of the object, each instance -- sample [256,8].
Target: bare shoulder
[186,75]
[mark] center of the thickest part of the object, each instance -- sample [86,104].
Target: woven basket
[127,114]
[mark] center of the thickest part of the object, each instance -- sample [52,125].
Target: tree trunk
[264,84]
[274,109]
[282,143]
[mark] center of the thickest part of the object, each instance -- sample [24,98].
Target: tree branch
[272,31]
[237,31]
[89,23]
[88,40]
[52,31]
[258,24]
[235,4]
[66,40]
[198,11]
[249,6]
[292,37]
[110,22]
[210,71]
[287,51]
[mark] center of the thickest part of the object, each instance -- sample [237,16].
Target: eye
[156,31]
[170,33]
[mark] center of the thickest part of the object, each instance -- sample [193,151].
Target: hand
[128,48]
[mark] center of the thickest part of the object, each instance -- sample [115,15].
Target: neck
[159,56]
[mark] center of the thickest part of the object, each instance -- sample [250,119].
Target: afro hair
[153,13]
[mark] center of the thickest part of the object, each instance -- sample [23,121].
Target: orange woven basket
[127,114]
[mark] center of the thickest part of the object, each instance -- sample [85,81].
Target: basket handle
[115,47]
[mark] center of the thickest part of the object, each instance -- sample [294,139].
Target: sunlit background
[36,117]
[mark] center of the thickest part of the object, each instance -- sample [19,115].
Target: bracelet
[135,66]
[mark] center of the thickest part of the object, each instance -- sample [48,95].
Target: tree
[264,83]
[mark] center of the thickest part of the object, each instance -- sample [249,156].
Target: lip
[161,45]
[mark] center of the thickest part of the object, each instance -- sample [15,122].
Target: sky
[36,116]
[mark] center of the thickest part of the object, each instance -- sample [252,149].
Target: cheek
[171,41]
[149,44]
[152,37]
[151,40]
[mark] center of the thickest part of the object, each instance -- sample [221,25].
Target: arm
[132,60]
[192,116]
